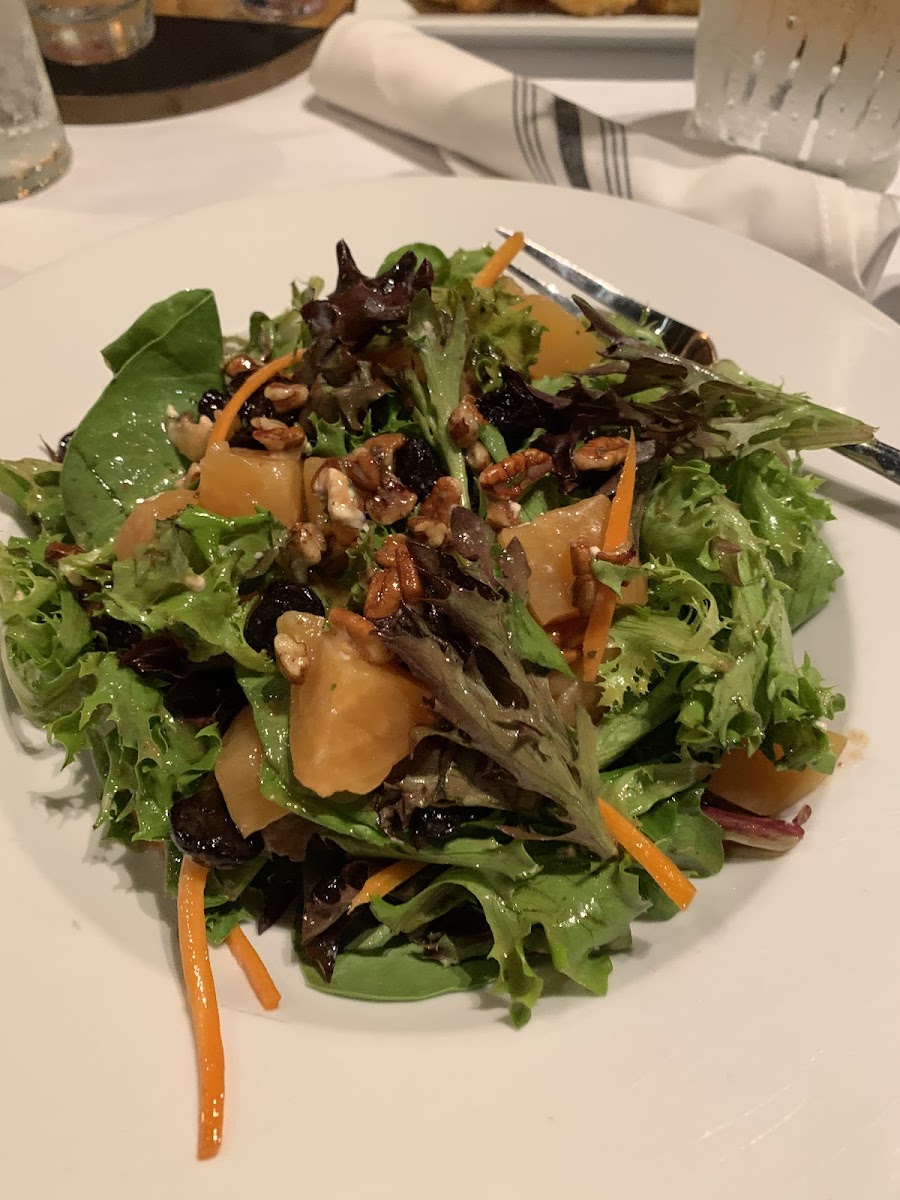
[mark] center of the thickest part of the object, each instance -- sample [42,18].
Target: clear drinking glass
[815,83]
[85,32]
[33,146]
[283,10]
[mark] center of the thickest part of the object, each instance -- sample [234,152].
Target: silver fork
[678,338]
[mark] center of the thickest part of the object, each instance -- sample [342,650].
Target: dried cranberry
[59,454]
[211,403]
[158,654]
[207,696]
[514,409]
[416,465]
[203,829]
[279,597]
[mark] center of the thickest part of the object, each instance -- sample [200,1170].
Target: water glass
[283,10]
[86,32]
[815,83]
[33,146]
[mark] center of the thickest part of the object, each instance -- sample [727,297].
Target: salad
[447,628]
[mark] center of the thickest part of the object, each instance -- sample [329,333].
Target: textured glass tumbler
[86,32]
[283,10]
[815,83]
[33,146]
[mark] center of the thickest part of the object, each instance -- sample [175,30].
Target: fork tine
[596,288]
[680,339]
[545,289]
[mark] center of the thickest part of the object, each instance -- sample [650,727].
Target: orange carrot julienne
[224,420]
[254,968]
[617,527]
[647,854]
[597,633]
[204,1009]
[614,535]
[499,261]
[385,881]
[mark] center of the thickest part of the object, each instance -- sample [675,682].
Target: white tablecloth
[124,176]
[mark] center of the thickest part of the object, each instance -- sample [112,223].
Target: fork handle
[877,456]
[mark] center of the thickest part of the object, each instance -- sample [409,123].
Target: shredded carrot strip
[614,535]
[499,261]
[201,997]
[225,419]
[385,881]
[597,633]
[617,527]
[254,968]
[673,882]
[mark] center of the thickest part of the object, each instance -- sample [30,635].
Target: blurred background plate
[530,24]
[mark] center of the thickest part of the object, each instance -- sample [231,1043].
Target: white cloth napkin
[389,73]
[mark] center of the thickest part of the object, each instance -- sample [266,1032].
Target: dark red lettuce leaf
[360,306]
[762,833]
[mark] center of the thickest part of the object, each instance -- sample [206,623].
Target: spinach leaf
[530,641]
[120,453]
[377,966]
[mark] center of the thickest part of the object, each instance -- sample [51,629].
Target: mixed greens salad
[330,642]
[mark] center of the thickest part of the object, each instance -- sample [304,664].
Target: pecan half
[370,469]
[275,435]
[432,525]
[600,454]
[584,584]
[362,633]
[465,422]
[307,542]
[386,554]
[508,479]
[503,514]
[383,598]
[411,588]
[292,651]
[286,397]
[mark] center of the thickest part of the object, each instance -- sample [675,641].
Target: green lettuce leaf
[763,699]
[145,758]
[580,908]
[462,264]
[186,581]
[378,966]
[45,632]
[679,624]
[638,717]
[441,338]
[780,503]
[685,833]
[530,641]
[34,485]
[636,789]
[502,332]
[120,453]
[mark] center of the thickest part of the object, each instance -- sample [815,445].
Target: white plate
[747,1049]
[539,30]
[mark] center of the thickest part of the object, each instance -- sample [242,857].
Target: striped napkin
[484,120]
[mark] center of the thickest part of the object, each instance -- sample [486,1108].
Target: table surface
[124,176]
